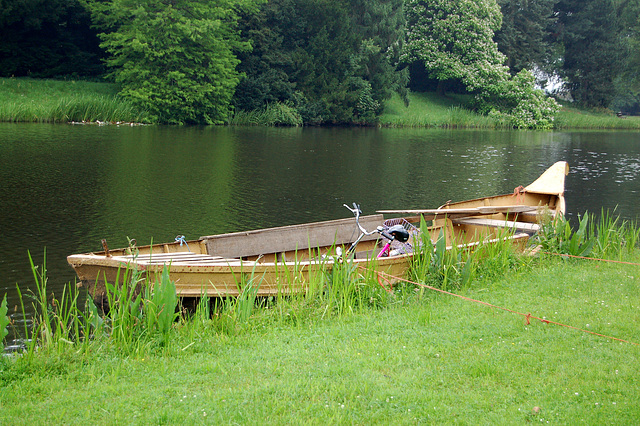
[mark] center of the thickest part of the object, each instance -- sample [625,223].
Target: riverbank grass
[55,101]
[58,101]
[430,110]
[548,338]
[434,359]
[573,118]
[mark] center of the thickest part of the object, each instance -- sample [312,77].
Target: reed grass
[453,266]
[603,236]
[233,313]
[54,101]
[4,321]
[613,237]
[274,114]
[142,315]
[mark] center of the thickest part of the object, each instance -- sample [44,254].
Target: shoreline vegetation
[59,101]
[351,352]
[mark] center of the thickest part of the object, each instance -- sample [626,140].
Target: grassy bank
[30,100]
[355,353]
[54,101]
[573,118]
[430,110]
[435,359]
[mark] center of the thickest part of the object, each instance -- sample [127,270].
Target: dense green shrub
[176,59]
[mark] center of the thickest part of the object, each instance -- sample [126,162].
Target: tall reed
[440,265]
[4,322]
[125,312]
[453,265]
[558,236]
[231,314]
[612,236]
[160,305]
[58,322]
[140,314]
[606,236]
[274,114]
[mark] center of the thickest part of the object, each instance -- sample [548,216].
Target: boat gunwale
[90,266]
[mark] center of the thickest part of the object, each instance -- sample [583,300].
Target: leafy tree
[454,41]
[334,61]
[175,58]
[47,38]
[518,102]
[526,36]
[593,48]
[628,82]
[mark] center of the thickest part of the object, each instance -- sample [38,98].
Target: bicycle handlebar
[357,212]
[380,230]
[399,234]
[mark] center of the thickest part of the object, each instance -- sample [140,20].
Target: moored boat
[282,259]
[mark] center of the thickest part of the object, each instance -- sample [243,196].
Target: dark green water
[66,187]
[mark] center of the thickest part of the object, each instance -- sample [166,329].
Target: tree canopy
[330,61]
[47,38]
[526,36]
[454,41]
[335,61]
[174,57]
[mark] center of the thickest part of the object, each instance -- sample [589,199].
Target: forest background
[332,62]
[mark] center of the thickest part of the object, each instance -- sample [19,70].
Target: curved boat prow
[552,182]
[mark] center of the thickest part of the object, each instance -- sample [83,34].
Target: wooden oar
[482,210]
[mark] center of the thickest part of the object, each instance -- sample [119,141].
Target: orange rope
[527,316]
[519,192]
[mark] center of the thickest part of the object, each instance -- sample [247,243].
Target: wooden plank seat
[290,238]
[177,258]
[538,213]
[527,227]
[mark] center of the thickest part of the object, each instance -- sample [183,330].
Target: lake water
[66,187]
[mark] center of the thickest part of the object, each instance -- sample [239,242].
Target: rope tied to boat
[181,239]
[518,192]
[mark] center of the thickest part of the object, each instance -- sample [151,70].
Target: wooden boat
[282,259]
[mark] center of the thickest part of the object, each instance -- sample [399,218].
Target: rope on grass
[528,316]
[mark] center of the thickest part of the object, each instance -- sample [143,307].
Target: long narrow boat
[281,260]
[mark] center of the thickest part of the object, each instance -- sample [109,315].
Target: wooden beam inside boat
[430,214]
[493,223]
[290,238]
[469,211]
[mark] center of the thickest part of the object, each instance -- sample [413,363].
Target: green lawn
[436,359]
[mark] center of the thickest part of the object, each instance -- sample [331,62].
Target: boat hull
[287,260]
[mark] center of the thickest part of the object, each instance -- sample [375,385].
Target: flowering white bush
[454,40]
[517,101]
